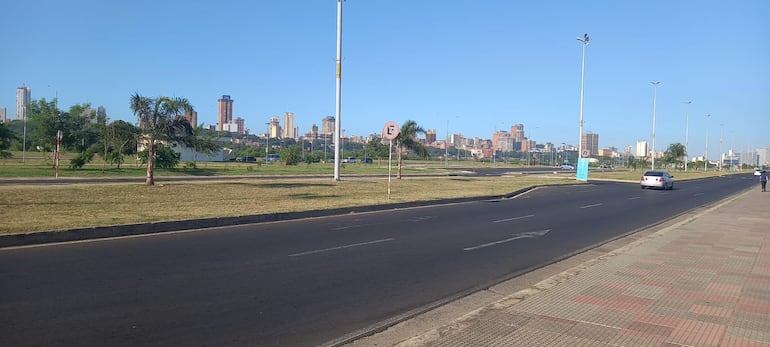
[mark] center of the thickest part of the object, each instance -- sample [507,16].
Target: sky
[469,67]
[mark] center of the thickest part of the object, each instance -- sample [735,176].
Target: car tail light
[661,179]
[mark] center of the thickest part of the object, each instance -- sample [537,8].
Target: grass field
[25,208]
[28,208]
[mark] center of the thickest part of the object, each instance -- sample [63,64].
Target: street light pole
[267,143]
[584,40]
[446,146]
[654,101]
[338,106]
[706,152]
[686,132]
[721,154]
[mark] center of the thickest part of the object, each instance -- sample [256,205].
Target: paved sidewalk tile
[702,282]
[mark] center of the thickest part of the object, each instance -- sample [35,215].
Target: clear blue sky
[474,65]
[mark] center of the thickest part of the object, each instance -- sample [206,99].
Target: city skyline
[473,70]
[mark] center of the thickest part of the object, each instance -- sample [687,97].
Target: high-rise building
[590,144]
[641,149]
[225,112]
[274,127]
[192,117]
[240,125]
[430,136]
[327,125]
[498,137]
[517,131]
[288,126]
[528,145]
[3,116]
[23,98]
[505,143]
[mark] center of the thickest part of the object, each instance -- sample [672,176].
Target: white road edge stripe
[589,206]
[514,218]
[340,247]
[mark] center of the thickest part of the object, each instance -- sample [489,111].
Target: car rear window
[653,173]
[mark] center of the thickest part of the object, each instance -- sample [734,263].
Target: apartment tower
[289,132]
[23,98]
[225,112]
[590,143]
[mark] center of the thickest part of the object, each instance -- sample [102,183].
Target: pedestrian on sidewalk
[763,180]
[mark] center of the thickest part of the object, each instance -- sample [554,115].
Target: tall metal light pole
[721,154]
[267,144]
[446,146]
[686,132]
[706,152]
[338,103]
[584,40]
[654,101]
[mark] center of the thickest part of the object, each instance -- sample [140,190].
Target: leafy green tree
[165,156]
[407,140]
[377,148]
[43,121]
[161,120]
[84,128]
[291,155]
[119,139]
[674,153]
[6,136]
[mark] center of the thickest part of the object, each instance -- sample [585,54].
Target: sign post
[389,132]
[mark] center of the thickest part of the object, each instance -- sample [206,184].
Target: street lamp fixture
[654,101]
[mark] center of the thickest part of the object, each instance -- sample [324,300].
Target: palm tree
[407,140]
[160,120]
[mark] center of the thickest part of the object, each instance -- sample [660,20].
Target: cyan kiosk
[582,169]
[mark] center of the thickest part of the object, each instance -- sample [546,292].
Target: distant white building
[23,98]
[642,149]
[763,155]
[189,154]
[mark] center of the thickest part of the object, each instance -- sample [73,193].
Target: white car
[657,179]
[757,172]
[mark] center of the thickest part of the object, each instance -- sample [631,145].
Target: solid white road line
[340,247]
[589,206]
[514,218]
[634,198]
[528,235]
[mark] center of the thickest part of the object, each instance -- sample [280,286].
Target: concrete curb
[99,232]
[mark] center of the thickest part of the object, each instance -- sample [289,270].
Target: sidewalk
[703,281]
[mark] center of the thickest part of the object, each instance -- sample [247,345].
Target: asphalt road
[306,282]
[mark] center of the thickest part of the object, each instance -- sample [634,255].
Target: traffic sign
[390,131]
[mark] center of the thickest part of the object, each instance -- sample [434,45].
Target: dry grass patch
[45,207]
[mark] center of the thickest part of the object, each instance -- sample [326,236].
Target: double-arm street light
[584,40]
[654,101]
